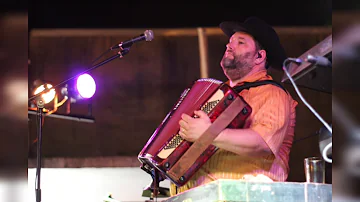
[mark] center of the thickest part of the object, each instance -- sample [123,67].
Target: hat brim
[229,28]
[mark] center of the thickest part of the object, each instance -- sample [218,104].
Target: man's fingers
[186,117]
[184,125]
[200,113]
[182,133]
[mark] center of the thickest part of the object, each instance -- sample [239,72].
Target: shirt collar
[257,76]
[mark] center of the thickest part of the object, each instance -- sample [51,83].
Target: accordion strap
[248,85]
[206,139]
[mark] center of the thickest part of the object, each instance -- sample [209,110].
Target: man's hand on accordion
[191,128]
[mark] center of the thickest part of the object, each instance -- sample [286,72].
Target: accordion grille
[177,139]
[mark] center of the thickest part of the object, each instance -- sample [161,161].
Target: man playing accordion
[262,146]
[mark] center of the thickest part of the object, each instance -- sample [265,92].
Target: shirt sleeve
[271,116]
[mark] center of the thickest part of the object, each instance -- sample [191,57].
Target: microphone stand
[40,106]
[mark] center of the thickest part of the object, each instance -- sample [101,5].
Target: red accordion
[177,159]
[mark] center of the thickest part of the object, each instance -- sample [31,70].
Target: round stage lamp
[85,86]
[48,96]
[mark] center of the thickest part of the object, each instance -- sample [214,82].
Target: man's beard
[238,67]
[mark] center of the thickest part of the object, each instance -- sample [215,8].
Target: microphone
[318,60]
[296,60]
[148,36]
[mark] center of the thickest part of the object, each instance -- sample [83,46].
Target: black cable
[107,51]
[309,136]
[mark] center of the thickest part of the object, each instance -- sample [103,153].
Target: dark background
[143,14]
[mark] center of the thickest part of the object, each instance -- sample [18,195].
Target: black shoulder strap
[248,85]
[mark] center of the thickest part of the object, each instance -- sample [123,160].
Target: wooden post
[203,48]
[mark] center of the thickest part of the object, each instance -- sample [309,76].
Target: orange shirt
[273,117]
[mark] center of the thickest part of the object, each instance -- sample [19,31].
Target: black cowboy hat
[263,33]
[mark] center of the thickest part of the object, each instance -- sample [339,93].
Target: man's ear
[261,56]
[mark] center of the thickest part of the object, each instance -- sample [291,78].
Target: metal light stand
[40,106]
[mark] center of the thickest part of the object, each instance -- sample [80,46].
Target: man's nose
[228,46]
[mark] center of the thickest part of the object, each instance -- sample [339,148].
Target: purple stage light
[86,86]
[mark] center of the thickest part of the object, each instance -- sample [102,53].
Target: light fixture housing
[85,86]
[47,96]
